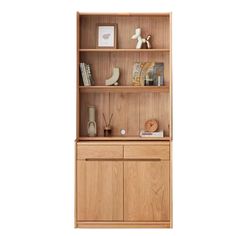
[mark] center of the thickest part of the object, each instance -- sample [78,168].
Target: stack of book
[159,134]
[86,74]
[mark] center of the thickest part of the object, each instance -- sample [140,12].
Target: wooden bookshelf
[111,192]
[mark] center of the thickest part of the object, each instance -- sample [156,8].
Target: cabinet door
[146,191]
[99,190]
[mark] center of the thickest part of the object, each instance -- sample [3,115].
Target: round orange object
[151,125]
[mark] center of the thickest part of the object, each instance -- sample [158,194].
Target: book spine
[90,75]
[83,73]
[86,75]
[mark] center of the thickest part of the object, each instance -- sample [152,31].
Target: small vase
[91,126]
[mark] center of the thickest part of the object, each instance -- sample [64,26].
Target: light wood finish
[103,62]
[105,151]
[118,224]
[156,25]
[124,181]
[122,142]
[100,192]
[124,14]
[77,75]
[170,74]
[150,152]
[124,50]
[146,191]
[77,109]
[101,102]
[125,110]
[123,89]
[125,138]
[155,106]
[130,111]
[171,186]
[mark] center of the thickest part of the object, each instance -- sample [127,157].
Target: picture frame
[106,36]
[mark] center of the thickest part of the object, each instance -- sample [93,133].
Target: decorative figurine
[91,126]
[107,128]
[141,40]
[114,78]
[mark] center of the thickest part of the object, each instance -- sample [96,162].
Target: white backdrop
[37,119]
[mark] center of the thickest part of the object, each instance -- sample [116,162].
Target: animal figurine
[141,40]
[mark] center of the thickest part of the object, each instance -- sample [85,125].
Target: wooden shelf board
[123,50]
[124,14]
[120,138]
[123,89]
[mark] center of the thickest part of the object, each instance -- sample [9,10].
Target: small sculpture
[141,40]
[114,78]
[91,126]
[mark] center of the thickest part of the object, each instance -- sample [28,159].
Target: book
[148,74]
[89,74]
[86,74]
[159,134]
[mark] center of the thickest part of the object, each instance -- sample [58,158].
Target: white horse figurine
[141,40]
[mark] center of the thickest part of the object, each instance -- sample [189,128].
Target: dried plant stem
[110,119]
[104,119]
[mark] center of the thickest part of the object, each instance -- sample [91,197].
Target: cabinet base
[122,224]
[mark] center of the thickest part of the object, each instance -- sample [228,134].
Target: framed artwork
[106,36]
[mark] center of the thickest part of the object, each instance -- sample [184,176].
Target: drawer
[100,152]
[147,152]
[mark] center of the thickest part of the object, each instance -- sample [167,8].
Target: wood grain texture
[156,25]
[121,138]
[121,142]
[124,89]
[118,224]
[124,50]
[124,14]
[155,106]
[150,152]
[100,190]
[125,109]
[105,151]
[77,75]
[101,102]
[146,191]
[170,72]
[110,190]
[158,28]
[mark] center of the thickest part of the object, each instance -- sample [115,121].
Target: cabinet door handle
[103,159]
[142,159]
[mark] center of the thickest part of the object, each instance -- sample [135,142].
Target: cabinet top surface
[124,13]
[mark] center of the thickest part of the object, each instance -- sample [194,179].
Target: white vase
[91,126]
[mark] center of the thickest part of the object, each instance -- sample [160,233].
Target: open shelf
[123,50]
[123,89]
[132,138]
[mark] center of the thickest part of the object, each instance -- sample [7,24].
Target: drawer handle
[122,159]
[103,159]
